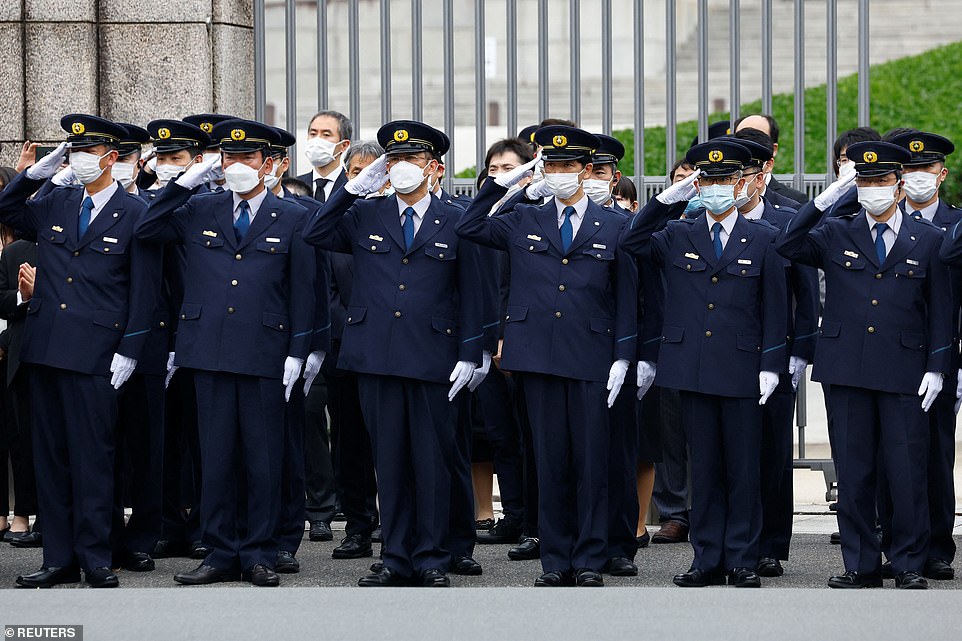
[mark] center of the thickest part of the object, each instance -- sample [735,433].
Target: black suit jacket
[12,256]
[800,198]
[308,179]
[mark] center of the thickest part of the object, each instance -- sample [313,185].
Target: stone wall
[127,60]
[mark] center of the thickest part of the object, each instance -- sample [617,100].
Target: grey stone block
[11,10]
[169,83]
[233,49]
[235,12]
[61,75]
[11,82]
[59,10]
[178,11]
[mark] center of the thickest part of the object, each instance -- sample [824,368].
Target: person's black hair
[852,136]
[625,188]
[296,187]
[7,174]
[898,131]
[681,162]
[514,145]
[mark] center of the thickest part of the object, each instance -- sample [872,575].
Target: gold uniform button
[401,287]
[207,243]
[711,305]
[744,271]
[848,263]
[530,248]
[234,282]
[911,273]
[874,302]
[557,314]
[162,324]
[440,255]
[183,317]
[107,249]
[63,305]
[76,253]
[281,326]
[273,250]
[561,288]
[397,314]
[69,279]
[564,261]
[116,325]
[878,276]
[708,334]
[688,266]
[230,310]
[373,247]
[448,332]
[237,256]
[404,261]
[871,330]
[714,279]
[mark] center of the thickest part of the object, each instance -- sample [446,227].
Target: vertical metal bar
[574,53]
[801,412]
[290,67]
[831,85]
[702,70]
[864,89]
[671,109]
[385,61]
[606,101]
[417,98]
[799,177]
[322,77]
[511,21]
[449,87]
[735,66]
[480,101]
[354,66]
[260,66]
[542,59]
[767,56]
[639,54]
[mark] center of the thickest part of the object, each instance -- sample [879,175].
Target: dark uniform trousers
[461,532]
[293,507]
[778,505]
[181,469]
[623,471]
[495,397]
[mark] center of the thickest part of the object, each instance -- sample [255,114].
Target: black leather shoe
[911,581]
[101,578]
[320,531]
[527,549]
[25,539]
[199,551]
[384,578]
[262,576]
[466,566]
[286,563]
[354,546]
[49,577]
[504,531]
[621,566]
[644,539]
[835,538]
[484,524]
[377,566]
[744,578]
[852,580]
[204,574]
[434,579]
[769,567]
[376,535]
[139,562]
[586,578]
[938,570]
[166,549]
[553,579]
[888,572]
[696,578]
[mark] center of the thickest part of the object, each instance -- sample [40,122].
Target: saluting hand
[47,166]
[196,174]
[519,173]
[681,191]
[371,179]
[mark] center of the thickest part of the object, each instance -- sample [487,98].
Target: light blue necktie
[880,242]
[85,210]
[716,239]
[408,227]
[243,222]
[567,232]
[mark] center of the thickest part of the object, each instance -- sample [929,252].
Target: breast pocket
[689,264]
[441,253]
[849,263]
[210,242]
[600,254]
[909,271]
[375,246]
[273,246]
[744,271]
[108,247]
[531,246]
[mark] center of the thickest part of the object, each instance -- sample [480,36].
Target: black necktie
[319,194]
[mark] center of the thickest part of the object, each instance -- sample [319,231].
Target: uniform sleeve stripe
[656,339]
[143,331]
[941,349]
[627,338]
[299,334]
[494,324]
[322,329]
[473,338]
[801,338]
[772,349]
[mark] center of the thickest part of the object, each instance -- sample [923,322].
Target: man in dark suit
[86,327]
[414,313]
[569,328]
[245,329]
[886,327]
[775,192]
[329,135]
[723,345]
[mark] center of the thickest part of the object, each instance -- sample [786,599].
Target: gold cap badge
[238,134]
[559,141]
[77,128]
[870,156]
[206,127]
[400,135]
[916,146]
[163,133]
[715,155]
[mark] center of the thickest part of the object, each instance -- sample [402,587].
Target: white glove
[958,392]
[370,180]
[196,174]
[460,376]
[311,368]
[537,190]
[480,372]
[646,376]
[121,368]
[767,382]
[681,191]
[292,370]
[930,388]
[833,192]
[216,171]
[616,378]
[171,368]
[64,177]
[49,165]
[517,174]
[796,367]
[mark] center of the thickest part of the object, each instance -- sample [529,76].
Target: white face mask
[271,180]
[406,177]
[241,178]
[846,169]
[124,172]
[743,197]
[320,152]
[167,172]
[597,190]
[86,166]
[216,172]
[920,185]
[563,185]
[876,200]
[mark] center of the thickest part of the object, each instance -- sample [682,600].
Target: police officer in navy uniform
[723,345]
[885,340]
[569,330]
[245,328]
[924,173]
[127,167]
[87,324]
[207,122]
[415,313]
